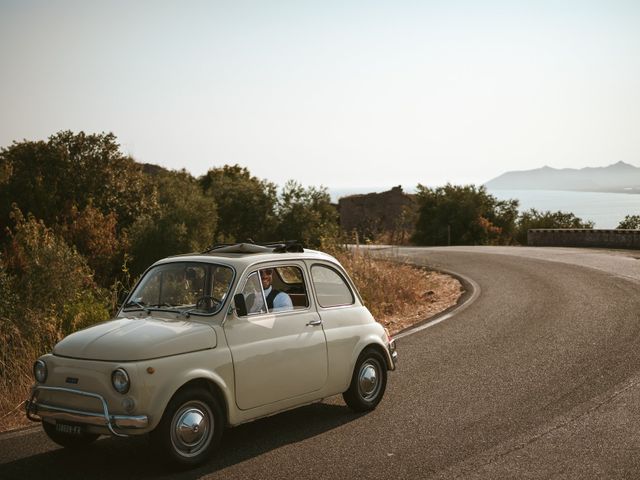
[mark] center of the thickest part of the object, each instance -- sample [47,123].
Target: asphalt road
[539,377]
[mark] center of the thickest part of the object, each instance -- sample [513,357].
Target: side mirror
[241,305]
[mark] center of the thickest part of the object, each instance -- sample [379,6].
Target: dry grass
[399,295]
[19,348]
[16,360]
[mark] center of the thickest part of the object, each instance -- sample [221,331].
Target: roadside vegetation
[631,222]
[398,295]
[469,215]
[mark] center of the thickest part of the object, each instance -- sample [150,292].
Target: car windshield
[185,287]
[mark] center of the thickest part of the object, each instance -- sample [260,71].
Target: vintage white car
[213,340]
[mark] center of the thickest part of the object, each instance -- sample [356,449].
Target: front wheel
[368,382]
[191,427]
[69,440]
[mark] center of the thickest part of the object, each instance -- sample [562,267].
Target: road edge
[18,432]
[471,293]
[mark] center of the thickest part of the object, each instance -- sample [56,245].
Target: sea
[606,210]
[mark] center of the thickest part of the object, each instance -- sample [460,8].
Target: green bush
[48,179]
[246,204]
[51,283]
[463,215]
[306,214]
[536,219]
[630,222]
[46,292]
[185,222]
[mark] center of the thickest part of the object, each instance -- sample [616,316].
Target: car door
[342,318]
[277,355]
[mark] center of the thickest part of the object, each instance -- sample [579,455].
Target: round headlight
[40,371]
[120,380]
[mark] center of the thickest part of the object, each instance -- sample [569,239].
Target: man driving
[277,301]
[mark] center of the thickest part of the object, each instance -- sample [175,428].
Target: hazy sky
[343,94]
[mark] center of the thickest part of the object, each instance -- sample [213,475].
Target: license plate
[69,429]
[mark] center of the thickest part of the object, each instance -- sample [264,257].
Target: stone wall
[373,214]
[568,237]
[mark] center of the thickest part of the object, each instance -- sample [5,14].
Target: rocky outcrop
[387,215]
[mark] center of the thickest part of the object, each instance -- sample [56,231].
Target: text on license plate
[70,429]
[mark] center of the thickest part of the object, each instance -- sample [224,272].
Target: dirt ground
[443,293]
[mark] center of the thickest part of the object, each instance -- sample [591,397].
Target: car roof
[243,255]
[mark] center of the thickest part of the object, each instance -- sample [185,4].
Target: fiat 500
[209,341]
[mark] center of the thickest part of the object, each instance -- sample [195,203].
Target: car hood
[128,339]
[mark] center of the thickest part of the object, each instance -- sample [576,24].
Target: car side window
[331,289]
[290,281]
[275,289]
[253,296]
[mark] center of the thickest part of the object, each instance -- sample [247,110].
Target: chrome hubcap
[192,428]
[369,380]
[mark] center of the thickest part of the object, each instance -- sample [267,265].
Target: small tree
[246,204]
[536,219]
[630,222]
[54,286]
[95,236]
[46,292]
[49,179]
[185,222]
[306,215]
[504,215]
[462,215]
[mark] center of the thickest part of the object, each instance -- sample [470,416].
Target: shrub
[46,292]
[397,295]
[245,203]
[306,214]
[48,273]
[547,219]
[186,221]
[463,215]
[630,222]
[49,178]
[95,236]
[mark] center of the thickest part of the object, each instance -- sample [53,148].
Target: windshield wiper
[133,303]
[160,305]
[187,313]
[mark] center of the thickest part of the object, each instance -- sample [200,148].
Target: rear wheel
[69,440]
[368,382]
[191,427]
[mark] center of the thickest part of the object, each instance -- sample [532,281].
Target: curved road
[539,377]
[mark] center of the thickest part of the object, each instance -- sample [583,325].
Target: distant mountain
[619,177]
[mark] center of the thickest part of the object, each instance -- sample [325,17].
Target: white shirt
[282,301]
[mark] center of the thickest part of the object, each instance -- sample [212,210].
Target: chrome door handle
[314,323]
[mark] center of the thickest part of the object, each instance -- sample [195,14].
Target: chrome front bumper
[37,411]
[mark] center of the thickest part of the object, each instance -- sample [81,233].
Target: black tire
[368,382]
[68,440]
[190,429]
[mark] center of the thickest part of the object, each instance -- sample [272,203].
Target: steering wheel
[207,302]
